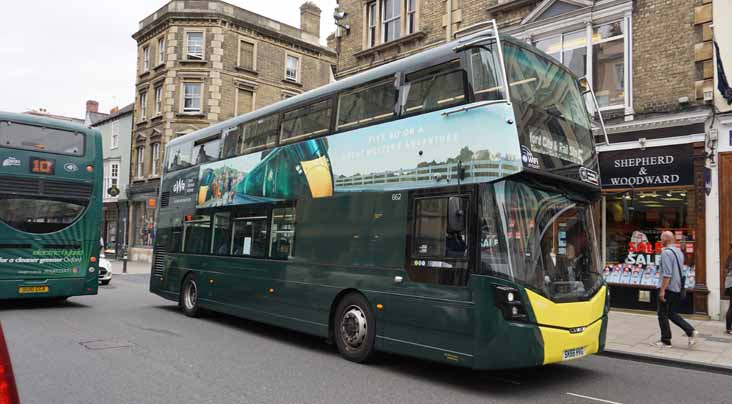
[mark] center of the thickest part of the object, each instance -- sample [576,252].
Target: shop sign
[644,168]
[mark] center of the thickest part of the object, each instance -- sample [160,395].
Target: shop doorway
[725,218]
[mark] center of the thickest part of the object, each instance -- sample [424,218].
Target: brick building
[201,62]
[650,65]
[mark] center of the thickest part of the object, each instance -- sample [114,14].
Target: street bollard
[124,260]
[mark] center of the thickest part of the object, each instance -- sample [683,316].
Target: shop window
[196,234]
[434,89]
[283,233]
[634,223]
[366,105]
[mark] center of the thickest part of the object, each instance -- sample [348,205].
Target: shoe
[692,338]
[661,344]
[728,332]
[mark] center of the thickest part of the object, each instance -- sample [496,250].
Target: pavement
[126,345]
[631,334]
[133,267]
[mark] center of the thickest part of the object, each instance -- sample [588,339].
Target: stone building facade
[201,62]
[650,65]
[116,131]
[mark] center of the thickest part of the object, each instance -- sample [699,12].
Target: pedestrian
[728,288]
[669,292]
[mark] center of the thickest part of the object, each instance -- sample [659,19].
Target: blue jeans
[668,311]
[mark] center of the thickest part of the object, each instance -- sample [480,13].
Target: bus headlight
[508,301]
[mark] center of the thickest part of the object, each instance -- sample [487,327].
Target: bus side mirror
[455,215]
[584,85]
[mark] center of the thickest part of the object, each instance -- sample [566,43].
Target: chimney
[310,18]
[92,106]
[113,110]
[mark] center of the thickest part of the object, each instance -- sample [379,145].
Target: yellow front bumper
[555,320]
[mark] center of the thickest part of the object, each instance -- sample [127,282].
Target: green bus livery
[50,207]
[439,206]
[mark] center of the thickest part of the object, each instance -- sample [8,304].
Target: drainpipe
[449,21]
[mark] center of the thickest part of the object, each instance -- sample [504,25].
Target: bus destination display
[42,166]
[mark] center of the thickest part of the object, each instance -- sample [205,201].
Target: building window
[145,59]
[194,45]
[161,50]
[244,101]
[411,16]
[114,174]
[111,176]
[247,55]
[158,100]
[569,48]
[292,68]
[599,54]
[372,17]
[143,106]
[144,224]
[115,135]
[608,64]
[140,161]
[154,170]
[390,26]
[192,97]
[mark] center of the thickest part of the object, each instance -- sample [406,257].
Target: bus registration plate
[32,289]
[574,353]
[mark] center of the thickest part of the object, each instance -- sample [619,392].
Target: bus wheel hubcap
[353,327]
[191,295]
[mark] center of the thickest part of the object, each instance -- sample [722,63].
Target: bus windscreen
[36,138]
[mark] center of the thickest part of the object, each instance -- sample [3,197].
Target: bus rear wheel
[189,296]
[354,330]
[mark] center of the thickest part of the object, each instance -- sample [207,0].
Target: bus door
[431,305]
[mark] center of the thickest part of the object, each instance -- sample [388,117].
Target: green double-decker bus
[439,206]
[50,207]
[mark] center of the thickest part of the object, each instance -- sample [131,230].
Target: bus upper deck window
[434,89]
[485,72]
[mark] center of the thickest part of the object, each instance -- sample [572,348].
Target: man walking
[669,292]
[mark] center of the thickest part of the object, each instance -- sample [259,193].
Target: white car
[105,270]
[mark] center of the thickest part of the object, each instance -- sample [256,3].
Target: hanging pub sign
[650,167]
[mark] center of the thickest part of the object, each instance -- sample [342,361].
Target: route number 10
[42,166]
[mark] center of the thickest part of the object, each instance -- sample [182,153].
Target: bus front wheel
[355,330]
[189,296]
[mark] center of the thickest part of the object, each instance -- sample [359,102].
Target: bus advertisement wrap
[405,154]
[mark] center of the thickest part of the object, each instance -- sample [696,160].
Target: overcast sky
[58,54]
